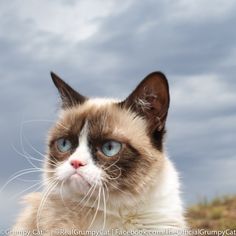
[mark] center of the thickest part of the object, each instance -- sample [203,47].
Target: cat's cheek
[64,171]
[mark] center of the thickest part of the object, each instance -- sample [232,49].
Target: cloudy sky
[104,48]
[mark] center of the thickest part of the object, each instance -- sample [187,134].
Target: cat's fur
[137,189]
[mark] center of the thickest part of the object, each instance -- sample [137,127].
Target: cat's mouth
[79,178]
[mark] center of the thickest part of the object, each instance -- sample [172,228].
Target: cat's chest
[113,223]
[92,219]
[100,220]
[60,215]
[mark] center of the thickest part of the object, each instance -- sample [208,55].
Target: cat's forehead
[104,117]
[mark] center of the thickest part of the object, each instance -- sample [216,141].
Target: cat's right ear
[69,96]
[151,100]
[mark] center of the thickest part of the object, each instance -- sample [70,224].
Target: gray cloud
[194,44]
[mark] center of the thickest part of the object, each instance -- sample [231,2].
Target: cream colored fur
[160,207]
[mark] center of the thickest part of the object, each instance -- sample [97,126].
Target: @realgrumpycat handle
[105,166]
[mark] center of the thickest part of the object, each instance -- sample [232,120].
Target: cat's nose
[76,164]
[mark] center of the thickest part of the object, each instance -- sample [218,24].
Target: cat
[106,168]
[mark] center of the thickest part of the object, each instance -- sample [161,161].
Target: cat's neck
[163,199]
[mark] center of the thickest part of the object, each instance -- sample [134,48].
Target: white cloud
[199,11]
[72,22]
[202,93]
[105,48]
[218,178]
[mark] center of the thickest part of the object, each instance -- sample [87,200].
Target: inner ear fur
[151,100]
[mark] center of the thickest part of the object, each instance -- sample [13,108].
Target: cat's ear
[68,95]
[151,100]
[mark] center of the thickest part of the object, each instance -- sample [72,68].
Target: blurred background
[104,48]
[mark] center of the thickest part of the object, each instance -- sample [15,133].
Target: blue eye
[64,145]
[111,148]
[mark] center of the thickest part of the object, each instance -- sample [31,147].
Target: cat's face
[105,145]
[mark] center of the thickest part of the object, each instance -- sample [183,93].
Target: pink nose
[76,164]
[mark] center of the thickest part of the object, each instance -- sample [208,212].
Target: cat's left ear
[151,100]
[69,96]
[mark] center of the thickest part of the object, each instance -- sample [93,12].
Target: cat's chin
[78,184]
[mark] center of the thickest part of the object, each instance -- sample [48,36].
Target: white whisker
[105,208]
[89,196]
[41,183]
[95,215]
[48,191]
[16,176]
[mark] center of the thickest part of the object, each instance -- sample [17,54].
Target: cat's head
[109,145]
